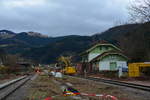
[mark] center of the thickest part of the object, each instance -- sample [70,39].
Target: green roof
[100,44]
[109,53]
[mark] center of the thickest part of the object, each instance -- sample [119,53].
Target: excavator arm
[68,69]
[65,60]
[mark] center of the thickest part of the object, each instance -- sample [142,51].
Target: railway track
[8,88]
[115,82]
[119,83]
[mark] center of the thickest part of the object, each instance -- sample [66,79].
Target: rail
[115,82]
[9,87]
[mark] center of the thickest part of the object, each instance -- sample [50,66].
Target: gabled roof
[100,44]
[108,53]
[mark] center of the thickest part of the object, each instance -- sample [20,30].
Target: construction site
[102,74]
[74,49]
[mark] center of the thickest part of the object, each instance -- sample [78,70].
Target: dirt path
[64,86]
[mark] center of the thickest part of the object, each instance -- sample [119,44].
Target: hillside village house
[103,57]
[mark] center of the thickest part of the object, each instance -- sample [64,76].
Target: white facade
[122,64]
[92,56]
[105,65]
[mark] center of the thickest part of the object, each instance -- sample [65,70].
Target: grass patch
[41,88]
[87,86]
[44,87]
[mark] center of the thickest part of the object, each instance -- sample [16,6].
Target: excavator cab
[69,70]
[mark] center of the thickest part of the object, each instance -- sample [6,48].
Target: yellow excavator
[65,63]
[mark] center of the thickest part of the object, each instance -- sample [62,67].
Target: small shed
[135,69]
[24,66]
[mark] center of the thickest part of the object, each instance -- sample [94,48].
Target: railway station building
[103,57]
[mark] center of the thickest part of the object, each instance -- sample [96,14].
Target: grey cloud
[63,17]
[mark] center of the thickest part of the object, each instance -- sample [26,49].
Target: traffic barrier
[106,97]
[48,98]
[100,95]
[73,92]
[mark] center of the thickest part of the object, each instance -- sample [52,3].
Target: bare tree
[2,56]
[11,63]
[140,11]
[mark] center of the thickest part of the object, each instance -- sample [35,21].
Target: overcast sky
[62,17]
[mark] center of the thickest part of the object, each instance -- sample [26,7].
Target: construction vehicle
[66,66]
[135,69]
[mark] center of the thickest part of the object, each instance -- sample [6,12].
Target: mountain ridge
[47,49]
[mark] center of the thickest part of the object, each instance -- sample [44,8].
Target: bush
[3,69]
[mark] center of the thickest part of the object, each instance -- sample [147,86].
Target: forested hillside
[133,39]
